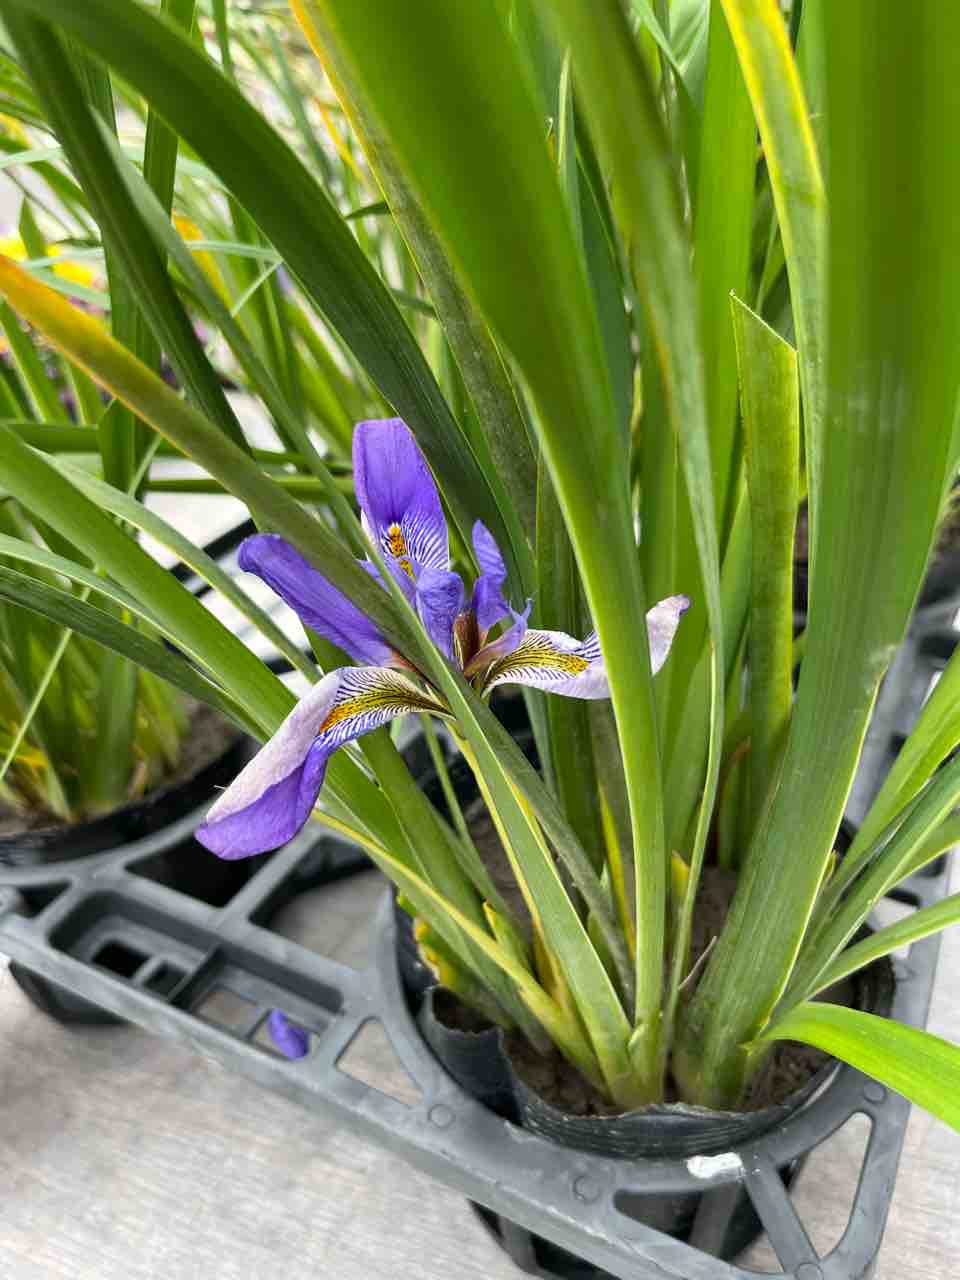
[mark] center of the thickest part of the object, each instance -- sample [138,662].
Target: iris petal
[439,601]
[554,662]
[489,559]
[292,1040]
[270,800]
[367,698]
[398,497]
[557,663]
[489,603]
[316,601]
[662,622]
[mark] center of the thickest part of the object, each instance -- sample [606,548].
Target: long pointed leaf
[770,397]
[919,1065]
[917,925]
[770,72]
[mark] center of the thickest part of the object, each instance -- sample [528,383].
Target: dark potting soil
[207,737]
[456,1015]
[789,1067]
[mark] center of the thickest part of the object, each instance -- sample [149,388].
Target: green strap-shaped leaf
[932,738]
[919,1065]
[886,869]
[292,210]
[723,209]
[917,925]
[770,399]
[773,82]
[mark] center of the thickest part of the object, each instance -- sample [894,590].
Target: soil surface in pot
[789,1067]
[206,739]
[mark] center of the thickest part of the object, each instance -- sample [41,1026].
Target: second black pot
[62,845]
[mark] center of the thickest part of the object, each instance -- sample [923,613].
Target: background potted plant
[605,452]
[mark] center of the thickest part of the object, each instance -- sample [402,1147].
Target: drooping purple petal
[398,497]
[315,600]
[554,662]
[292,1040]
[439,601]
[662,623]
[271,799]
[489,603]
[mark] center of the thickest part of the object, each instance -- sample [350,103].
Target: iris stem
[443,775]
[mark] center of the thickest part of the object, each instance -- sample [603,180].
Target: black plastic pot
[44,846]
[480,1064]
[54,848]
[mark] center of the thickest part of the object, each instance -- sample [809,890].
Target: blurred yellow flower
[81,273]
[189,230]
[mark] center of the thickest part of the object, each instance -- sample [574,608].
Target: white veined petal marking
[542,659]
[367,698]
[426,540]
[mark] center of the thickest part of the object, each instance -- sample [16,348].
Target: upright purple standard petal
[489,603]
[271,799]
[398,497]
[439,601]
[292,1040]
[315,600]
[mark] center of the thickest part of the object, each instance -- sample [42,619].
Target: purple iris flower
[271,799]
